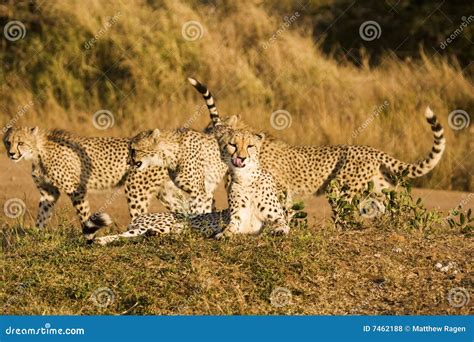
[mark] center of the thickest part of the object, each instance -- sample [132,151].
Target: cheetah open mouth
[238,162]
[16,159]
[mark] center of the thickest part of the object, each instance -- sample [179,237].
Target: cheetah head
[152,148]
[231,121]
[21,142]
[240,148]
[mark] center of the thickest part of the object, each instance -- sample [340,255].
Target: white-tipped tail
[429,113]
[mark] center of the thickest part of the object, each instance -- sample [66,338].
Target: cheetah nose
[138,163]
[11,154]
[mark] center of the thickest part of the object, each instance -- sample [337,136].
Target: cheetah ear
[34,130]
[7,130]
[156,133]
[261,136]
[233,120]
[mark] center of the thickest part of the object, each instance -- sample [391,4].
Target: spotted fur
[308,170]
[252,193]
[63,162]
[191,158]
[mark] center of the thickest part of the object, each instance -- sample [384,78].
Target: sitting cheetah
[63,162]
[306,170]
[191,158]
[252,195]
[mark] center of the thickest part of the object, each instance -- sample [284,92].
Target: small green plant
[344,209]
[394,207]
[462,221]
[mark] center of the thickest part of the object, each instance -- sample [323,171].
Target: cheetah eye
[8,144]
[233,145]
[250,146]
[20,144]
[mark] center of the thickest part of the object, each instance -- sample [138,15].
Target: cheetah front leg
[49,196]
[140,187]
[173,198]
[201,202]
[232,228]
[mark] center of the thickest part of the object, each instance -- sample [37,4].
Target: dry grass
[137,69]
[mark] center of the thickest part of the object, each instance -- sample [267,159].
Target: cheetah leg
[49,197]
[231,229]
[201,202]
[131,233]
[281,227]
[173,198]
[90,224]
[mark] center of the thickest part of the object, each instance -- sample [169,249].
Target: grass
[326,270]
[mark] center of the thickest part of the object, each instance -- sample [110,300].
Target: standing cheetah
[253,200]
[62,162]
[307,170]
[191,158]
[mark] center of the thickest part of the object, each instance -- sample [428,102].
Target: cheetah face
[149,149]
[20,143]
[240,149]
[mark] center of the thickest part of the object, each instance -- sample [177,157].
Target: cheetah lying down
[252,195]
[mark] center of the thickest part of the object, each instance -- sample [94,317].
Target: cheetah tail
[426,165]
[206,94]
[94,223]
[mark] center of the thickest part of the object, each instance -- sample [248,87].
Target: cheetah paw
[281,231]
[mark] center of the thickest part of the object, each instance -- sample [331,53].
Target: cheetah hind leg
[104,240]
[146,224]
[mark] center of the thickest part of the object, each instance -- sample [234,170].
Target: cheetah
[191,158]
[252,193]
[63,162]
[309,170]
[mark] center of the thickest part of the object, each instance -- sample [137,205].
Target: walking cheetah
[191,158]
[252,194]
[62,162]
[306,170]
